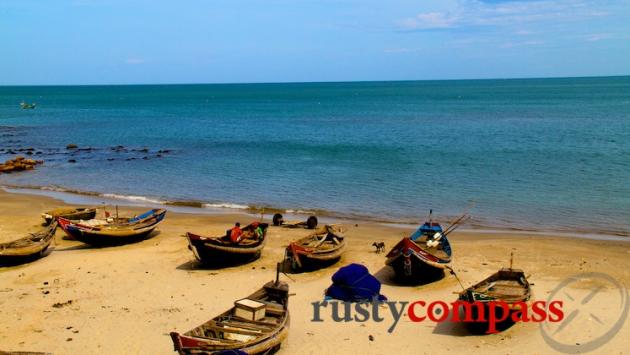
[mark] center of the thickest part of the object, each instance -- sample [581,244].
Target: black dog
[380,247]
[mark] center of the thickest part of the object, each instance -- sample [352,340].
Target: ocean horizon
[536,154]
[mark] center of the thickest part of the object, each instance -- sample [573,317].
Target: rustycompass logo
[596,308]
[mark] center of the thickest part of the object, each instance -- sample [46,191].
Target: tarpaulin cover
[355,284]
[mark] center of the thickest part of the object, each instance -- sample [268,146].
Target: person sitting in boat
[258,232]
[236,233]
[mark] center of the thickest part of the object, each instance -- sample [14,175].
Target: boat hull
[106,239]
[27,249]
[84,214]
[13,260]
[186,345]
[114,234]
[211,255]
[216,251]
[411,263]
[227,332]
[476,294]
[318,250]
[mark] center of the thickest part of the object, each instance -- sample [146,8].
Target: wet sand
[126,299]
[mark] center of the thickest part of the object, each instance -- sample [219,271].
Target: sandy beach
[126,299]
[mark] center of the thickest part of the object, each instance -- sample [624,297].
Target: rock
[371,337]
[19,163]
[72,146]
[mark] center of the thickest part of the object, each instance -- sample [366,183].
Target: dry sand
[126,299]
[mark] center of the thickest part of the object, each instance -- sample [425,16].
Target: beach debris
[72,161]
[371,337]
[72,146]
[62,304]
[19,163]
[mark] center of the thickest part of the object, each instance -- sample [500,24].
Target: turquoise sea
[529,153]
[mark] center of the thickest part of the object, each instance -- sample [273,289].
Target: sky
[72,42]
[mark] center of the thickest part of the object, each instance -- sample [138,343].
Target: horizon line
[321,82]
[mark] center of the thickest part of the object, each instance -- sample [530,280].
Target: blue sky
[216,41]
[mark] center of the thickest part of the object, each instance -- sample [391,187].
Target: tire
[311,222]
[277,219]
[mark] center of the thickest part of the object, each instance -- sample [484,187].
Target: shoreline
[82,297]
[70,196]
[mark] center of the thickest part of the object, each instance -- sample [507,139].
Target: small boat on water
[256,324]
[28,248]
[423,255]
[113,231]
[221,250]
[321,248]
[310,223]
[73,214]
[507,285]
[27,106]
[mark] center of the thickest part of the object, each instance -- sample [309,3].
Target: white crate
[249,309]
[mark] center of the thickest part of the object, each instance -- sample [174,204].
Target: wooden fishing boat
[320,249]
[27,106]
[310,223]
[425,254]
[118,231]
[221,249]
[73,214]
[28,248]
[507,285]
[259,332]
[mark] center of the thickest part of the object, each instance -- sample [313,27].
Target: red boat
[423,255]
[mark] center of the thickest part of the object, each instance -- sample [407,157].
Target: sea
[532,154]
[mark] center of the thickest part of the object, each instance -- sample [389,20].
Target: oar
[456,223]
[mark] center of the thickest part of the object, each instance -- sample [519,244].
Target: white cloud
[520,44]
[400,50]
[474,13]
[134,61]
[594,37]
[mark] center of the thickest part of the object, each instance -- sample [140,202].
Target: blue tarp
[355,284]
